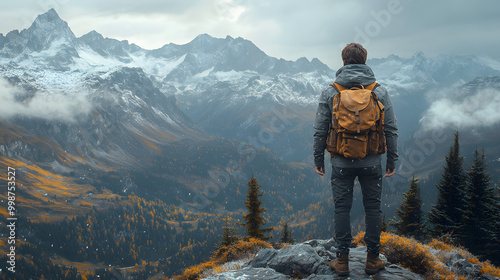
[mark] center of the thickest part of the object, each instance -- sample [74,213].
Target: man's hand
[389,172]
[320,170]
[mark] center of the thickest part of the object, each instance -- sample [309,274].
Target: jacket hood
[354,74]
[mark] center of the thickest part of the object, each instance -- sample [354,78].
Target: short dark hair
[354,53]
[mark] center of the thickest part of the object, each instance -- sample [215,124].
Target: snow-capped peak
[47,28]
[50,16]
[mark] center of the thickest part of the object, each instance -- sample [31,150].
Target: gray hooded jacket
[349,76]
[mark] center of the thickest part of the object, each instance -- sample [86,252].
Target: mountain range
[215,80]
[129,104]
[174,122]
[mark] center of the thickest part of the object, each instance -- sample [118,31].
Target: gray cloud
[51,106]
[283,28]
[450,110]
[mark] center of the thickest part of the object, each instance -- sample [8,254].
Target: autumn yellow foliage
[407,252]
[194,272]
[418,258]
[238,250]
[490,269]
[487,267]
[440,245]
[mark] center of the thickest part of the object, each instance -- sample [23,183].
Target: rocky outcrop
[309,260]
[459,265]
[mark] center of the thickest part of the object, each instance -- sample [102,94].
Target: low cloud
[53,106]
[480,109]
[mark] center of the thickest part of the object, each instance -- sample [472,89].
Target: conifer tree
[229,233]
[493,247]
[286,236]
[446,215]
[480,218]
[410,213]
[253,218]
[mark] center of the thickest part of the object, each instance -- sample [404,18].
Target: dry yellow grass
[194,272]
[418,258]
[241,249]
[487,267]
[42,195]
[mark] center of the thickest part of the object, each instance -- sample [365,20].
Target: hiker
[356,127]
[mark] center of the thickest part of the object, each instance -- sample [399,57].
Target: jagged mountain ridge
[129,119]
[228,87]
[49,36]
[194,72]
[128,110]
[419,73]
[133,127]
[47,61]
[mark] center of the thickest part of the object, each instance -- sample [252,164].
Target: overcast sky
[287,29]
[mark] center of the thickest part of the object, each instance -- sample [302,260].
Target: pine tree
[480,218]
[254,219]
[446,215]
[493,250]
[410,213]
[286,236]
[229,233]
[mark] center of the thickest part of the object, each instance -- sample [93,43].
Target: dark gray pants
[370,179]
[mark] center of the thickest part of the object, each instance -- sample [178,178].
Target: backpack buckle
[357,119]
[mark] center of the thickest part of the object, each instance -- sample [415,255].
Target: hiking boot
[341,263]
[373,263]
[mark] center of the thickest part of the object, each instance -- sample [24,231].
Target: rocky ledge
[310,260]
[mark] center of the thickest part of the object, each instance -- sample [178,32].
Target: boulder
[310,260]
[250,273]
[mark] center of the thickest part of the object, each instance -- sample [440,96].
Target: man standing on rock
[355,122]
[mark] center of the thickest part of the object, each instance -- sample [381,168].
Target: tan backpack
[357,122]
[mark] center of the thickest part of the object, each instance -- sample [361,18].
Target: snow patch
[164,117]
[203,74]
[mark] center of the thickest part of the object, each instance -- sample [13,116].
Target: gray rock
[464,267]
[263,257]
[297,260]
[357,260]
[311,259]
[488,277]
[250,273]
[460,266]
[451,257]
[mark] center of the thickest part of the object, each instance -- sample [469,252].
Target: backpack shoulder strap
[372,86]
[338,87]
